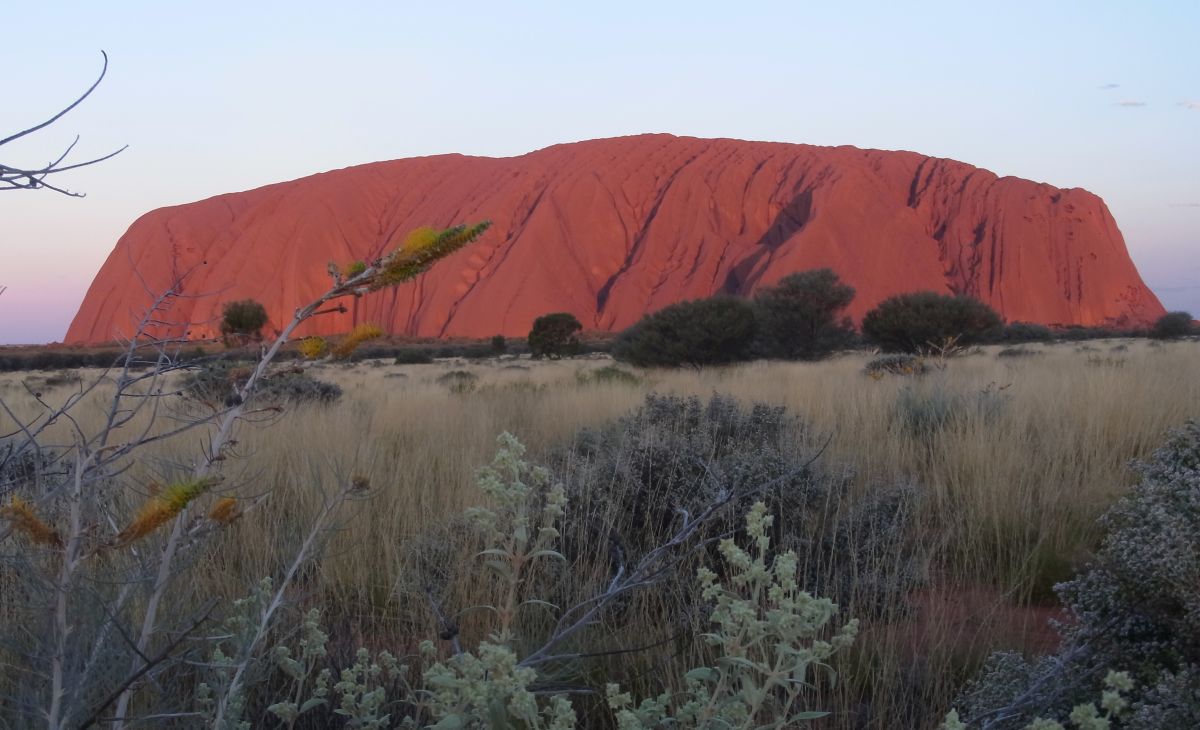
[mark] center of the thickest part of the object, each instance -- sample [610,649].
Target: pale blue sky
[220,96]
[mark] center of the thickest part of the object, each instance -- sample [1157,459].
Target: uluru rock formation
[612,229]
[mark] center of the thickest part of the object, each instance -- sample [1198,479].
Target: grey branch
[22,178]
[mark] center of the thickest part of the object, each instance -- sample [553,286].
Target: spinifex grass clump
[897,364]
[459,381]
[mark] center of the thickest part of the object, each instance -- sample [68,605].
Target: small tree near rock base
[242,321]
[1173,325]
[920,320]
[801,317]
[555,335]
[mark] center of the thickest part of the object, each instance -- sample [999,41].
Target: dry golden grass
[1009,492]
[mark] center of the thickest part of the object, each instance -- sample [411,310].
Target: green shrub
[1076,333]
[801,317]
[1026,332]
[914,322]
[499,345]
[1172,326]
[242,321]
[1134,608]
[555,335]
[714,331]
[413,356]
[45,359]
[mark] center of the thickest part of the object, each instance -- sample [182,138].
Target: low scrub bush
[1015,352]
[1173,326]
[413,356]
[1099,361]
[1133,609]
[678,453]
[899,364]
[924,412]
[1026,332]
[608,375]
[55,360]
[459,381]
[217,382]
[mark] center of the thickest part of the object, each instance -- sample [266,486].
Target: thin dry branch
[33,178]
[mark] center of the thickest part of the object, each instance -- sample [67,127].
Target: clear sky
[217,96]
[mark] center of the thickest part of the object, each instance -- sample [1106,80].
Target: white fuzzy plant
[772,641]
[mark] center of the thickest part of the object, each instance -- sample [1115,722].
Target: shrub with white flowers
[1134,610]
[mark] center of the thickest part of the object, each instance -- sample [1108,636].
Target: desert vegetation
[935,502]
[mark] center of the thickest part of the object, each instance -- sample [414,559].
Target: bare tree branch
[22,178]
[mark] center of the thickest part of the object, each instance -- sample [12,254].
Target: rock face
[613,229]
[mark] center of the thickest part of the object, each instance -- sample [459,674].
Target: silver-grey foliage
[1134,608]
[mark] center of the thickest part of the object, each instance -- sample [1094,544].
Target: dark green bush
[801,317]
[413,356]
[913,322]
[713,331]
[499,345]
[555,335]
[1172,326]
[1026,332]
[1077,333]
[55,360]
[242,321]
